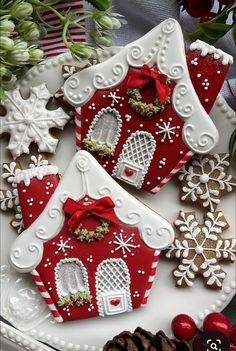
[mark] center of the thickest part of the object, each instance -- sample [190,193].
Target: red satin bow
[103,208]
[145,75]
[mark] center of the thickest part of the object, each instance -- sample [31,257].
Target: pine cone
[142,340]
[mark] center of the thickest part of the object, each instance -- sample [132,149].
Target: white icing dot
[204,178]
[199,250]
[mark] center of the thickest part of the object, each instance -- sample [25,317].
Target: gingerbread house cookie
[82,250]
[138,113]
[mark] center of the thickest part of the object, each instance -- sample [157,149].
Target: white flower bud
[35,55]
[18,56]
[104,21]
[6,43]
[32,33]
[99,39]
[116,23]
[81,51]
[5,74]
[7,26]
[22,10]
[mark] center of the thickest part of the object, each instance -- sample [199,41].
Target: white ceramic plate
[21,303]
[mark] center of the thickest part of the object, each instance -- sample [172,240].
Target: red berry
[209,16]
[226,2]
[233,335]
[184,327]
[198,8]
[217,322]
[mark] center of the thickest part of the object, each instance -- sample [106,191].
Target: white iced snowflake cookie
[205,180]
[29,121]
[200,248]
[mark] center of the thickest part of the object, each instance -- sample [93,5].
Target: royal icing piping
[200,248]
[27,250]
[29,121]
[38,172]
[209,49]
[205,179]
[158,47]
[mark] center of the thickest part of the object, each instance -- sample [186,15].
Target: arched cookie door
[72,281]
[113,287]
[104,132]
[135,158]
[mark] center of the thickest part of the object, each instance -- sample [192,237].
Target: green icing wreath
[100,149]
[142,108]
[78,299]
[83,234]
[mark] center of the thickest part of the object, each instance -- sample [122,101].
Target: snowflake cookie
[205,180]
[200,248]
[29,121]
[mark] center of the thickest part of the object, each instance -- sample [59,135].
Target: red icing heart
[129,172]
[115,302]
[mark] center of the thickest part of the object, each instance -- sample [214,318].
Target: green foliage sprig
[101,150]
[79,299]
[85,235]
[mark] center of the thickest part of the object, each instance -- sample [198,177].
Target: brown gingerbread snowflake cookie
[205,180]
[9,199]
[200,248]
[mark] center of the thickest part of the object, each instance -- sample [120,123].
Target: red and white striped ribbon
[52,43]
[78,130]
[47,298]
[151,277]
[181,163]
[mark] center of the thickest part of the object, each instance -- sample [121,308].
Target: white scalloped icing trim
[156,47]
[217,306]
[25,341]
[62,345]
[211,50]
[225,109]
[61,60]
[38,172]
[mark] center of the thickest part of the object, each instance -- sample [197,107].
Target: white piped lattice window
[113,287]
[106,127]
[71,277]
[135,158]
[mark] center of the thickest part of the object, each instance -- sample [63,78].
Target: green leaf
[215,30]
[199,34]
[101,5]
[234,32]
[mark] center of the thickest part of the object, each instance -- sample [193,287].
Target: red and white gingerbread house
[138,112]
[94,248]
